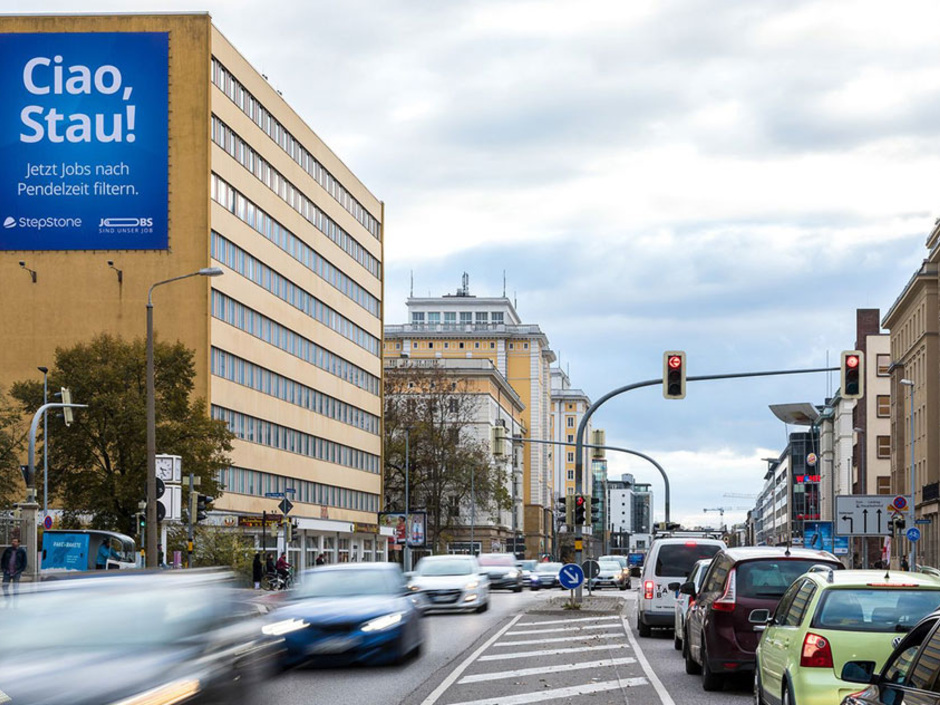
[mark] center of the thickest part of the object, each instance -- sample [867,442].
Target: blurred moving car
[684,602]
[548,574]
[611,574]
[909,675]
[828,618]
[141,637]
[451,584]
[350,613]
[501,569]
[530,578]
[722,640]
[667,566]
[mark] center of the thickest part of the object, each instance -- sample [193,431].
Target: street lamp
[151,536]
[45,442]
[910,383]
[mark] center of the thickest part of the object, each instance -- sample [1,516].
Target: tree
[11,447]
[437,411]
[97,466]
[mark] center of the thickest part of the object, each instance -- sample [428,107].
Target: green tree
[11,447]
[97,466]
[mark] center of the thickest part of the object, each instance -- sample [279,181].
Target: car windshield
[449,566]
[348,583]
[874,609]
[527,565]
[609,565]
[676,559]
[770,577]
[548,568]
[497,560]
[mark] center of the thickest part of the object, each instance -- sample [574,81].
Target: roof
[861,578]
[746,553]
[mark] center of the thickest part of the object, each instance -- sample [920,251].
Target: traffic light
[899,522]
[595,509]
[564,506]
[674,374]
[203,505]
[853,374]
[140,522]
[499,441]
[580,509]
[598,438]
[163,500]
[67,410]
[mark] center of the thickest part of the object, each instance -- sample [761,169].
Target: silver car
[451,584]
[683,602]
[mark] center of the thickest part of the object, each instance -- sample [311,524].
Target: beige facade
[913,322]
[568,408]
[288,341]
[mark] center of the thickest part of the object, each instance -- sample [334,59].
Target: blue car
[353,613]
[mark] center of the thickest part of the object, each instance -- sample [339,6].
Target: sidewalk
[590,604]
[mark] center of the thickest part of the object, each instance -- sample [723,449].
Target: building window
[460,346]
[570,422]
[571,490]
[417,317]
[884,362]
[434,318]
[450,318]
[884,405]
[497,317]
[525,346]
[884,484]
[492,346]
[476,346]
[571,474]
[571,438]
[483,317]
[884,446]
[466,317]
[430,346]
[570,457]
[446,346]
[512,346]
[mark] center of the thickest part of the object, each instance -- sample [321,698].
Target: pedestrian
[283,566]
[14,563]
[269,566]
[160,556]
[904,564]
[257,571]
[319,560]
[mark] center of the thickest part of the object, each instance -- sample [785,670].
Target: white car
[611,574]
[684,602]
[450,584]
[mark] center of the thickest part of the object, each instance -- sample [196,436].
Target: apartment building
[568,408]
[197,162]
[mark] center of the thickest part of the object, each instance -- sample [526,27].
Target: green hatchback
[827,618]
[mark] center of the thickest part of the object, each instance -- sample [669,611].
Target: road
[524,650]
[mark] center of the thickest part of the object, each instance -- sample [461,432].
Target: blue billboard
[818,535]
[64,551]
[84,141]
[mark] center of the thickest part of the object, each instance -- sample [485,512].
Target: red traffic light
[579,500]
[675,362]
[851,360]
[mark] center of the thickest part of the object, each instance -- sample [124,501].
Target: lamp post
[863,483]
[151,485]
[45,442]
[910,384]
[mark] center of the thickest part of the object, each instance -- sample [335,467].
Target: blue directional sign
[571,576]
[913,534]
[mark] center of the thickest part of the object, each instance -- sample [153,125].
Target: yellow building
[465,326]
[167,155]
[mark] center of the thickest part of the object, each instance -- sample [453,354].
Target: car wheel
[758,687]
[691,667]
[710,680]
[643,629]
[624,587]
[785,695]
[676,640]
[518,588]
[483,607]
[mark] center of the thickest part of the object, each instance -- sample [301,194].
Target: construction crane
[721,511]
[740,495]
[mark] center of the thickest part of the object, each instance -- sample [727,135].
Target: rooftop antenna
[465,279]
[411,293]
[504,283]
[514,304]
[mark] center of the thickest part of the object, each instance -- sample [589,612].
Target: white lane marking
[568,621]
[569,692]
[546,669]
[657,684]
[455,674]
[565,629]
[553,652]
[557,639]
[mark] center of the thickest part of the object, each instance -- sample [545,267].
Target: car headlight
[472,585]
[513,573]
[285,626]
[384,622]
[413,587]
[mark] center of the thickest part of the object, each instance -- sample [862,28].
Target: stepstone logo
[84,140]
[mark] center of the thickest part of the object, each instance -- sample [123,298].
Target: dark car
[350,613]
[501,569]
[548,574]
[910,675]
[154,638]
[720,638]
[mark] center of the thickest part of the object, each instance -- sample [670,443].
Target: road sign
[862,515]
[591,569]
[913,534]
[274,494]
[900,503]
[926,520]
[571,576]
[47,522]
[285,506]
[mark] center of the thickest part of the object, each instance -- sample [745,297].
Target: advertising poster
[65,552]
[818,535]
[83,141]
[410,529]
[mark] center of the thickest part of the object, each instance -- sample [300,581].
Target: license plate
[333,645]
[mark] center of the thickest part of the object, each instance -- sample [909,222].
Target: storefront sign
[256,521]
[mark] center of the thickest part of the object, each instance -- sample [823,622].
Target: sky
[729,178]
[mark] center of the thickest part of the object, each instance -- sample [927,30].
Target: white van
[669,562]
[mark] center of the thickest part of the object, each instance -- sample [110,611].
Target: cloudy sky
[729,178]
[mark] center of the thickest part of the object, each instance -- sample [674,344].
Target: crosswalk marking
[557,639]
[568,621]
[564,629]
[552,652]
[556,693]
[520,672]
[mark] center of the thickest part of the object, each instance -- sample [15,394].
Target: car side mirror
[687,588]
[858,672]
[674,586]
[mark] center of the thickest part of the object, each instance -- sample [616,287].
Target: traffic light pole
[582,427]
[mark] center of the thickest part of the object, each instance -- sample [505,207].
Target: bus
[65,550]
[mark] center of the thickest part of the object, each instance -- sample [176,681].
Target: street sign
[591,569]
[571,576]
[913,534]
[274,494]
[862,515]
[926,520]
[900,503]
[285,506]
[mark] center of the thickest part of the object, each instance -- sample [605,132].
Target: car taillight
[725,603]
[648,589]
[816,652]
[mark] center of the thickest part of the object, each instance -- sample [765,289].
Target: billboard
[411,528]
[84,141]
[818,535]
